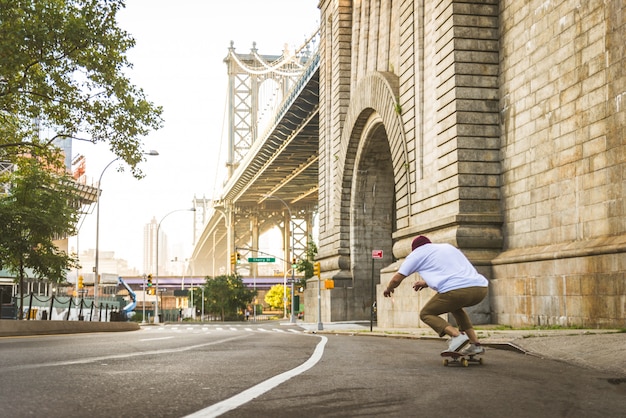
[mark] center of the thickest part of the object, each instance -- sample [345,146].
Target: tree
[39,207]
[274,297]
[62,64]
[224,296]
[306,265]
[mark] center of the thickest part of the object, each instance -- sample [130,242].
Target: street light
[97,255]
[293,255]
[156,285]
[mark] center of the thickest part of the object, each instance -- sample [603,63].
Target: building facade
[496,126]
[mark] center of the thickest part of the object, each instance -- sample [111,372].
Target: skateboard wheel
[480,360]
[445,361]
[464,362]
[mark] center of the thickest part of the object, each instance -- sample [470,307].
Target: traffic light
[233,259]
[317,270]
[238,257]
[81,284]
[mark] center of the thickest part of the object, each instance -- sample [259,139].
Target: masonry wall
[562,84]
[510,146]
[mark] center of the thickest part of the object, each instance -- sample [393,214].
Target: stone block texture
[495,125]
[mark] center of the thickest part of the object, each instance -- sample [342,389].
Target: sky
[178,62]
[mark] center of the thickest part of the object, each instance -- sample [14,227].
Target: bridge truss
[272,161]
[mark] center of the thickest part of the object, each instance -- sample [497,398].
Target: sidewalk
[601,350]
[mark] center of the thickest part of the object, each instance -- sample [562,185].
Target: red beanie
[419,241]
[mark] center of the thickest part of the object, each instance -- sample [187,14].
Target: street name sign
[261,259]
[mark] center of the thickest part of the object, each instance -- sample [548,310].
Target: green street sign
[261,259]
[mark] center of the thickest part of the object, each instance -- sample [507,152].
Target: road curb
[499,345]
[16,328]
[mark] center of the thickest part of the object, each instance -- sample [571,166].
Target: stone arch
[375,96]
[372,213]
[373,161]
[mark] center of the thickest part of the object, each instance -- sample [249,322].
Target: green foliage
[224,296]
[39,208]
[306,265]
[398,108]
[62,63]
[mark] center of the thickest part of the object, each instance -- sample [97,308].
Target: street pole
[372,298]
[143,302]
[193,306]
[156,286]
[292,318]
[293,269]
[254,302]
[285,291]
[320,326]
[96,270]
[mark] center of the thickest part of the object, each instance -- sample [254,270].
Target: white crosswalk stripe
[207,329]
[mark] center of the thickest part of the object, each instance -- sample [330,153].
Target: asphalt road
[274,370]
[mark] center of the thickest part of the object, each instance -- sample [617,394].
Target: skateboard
[452,357]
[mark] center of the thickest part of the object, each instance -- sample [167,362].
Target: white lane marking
[154,339]
[246,396]
[119,356]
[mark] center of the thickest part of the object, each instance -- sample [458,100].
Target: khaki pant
[453,302]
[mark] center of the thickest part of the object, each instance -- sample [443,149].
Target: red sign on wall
[377,253]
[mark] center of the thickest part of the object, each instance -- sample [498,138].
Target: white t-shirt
[443,267]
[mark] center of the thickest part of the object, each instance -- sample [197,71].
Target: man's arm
[393,283]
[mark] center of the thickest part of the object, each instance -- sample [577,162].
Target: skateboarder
[447,271]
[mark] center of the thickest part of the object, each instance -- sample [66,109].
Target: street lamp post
[156,286]
[292,318]
[97,254]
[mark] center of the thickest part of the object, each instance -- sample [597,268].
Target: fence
[67,308]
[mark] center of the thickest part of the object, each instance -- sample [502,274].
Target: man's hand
[393,283]
[419,285]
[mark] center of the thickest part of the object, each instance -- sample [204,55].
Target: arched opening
[372,218]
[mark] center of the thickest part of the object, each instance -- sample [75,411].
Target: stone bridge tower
[496,126]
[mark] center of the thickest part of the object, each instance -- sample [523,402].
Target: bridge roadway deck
[283,163]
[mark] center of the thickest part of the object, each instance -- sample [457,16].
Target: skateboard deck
[455,358]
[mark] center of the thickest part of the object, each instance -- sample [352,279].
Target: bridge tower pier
[414,144]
